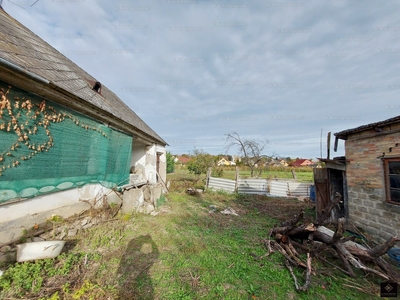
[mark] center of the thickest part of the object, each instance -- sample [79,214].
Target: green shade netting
[45,147]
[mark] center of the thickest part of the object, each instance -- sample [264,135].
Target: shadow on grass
[133,272]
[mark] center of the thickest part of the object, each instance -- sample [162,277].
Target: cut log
[382,249]
[316,239]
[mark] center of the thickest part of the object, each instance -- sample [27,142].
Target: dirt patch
[278,208]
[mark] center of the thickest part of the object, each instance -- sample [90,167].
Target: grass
[185,252]
[303,174]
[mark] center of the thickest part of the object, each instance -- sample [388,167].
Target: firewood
[382,249]
[317,239]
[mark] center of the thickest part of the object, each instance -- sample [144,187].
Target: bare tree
[250,149]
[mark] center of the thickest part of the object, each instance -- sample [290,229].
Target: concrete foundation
[142,200]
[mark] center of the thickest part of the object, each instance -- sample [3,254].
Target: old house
[373,176]
[302,163]
[65,137]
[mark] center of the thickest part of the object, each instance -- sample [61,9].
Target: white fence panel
[253,186]
[278,188]
[221,184]
[299,189]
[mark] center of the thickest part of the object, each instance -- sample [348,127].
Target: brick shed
[373,176]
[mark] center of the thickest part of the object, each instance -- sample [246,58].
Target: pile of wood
[314,239]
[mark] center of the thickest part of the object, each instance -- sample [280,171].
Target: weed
[126,217]
[160,201]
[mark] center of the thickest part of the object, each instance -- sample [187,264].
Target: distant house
[372,177]
[225,162]
[65,136]
[183,160]
[302,163]
[277,163]
[236,158]
[283,163]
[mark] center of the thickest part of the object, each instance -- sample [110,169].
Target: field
[303,174]
[188,251]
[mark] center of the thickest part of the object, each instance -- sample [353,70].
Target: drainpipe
[20,70]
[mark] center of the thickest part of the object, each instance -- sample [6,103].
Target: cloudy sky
[196,70]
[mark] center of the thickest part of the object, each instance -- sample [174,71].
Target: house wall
[365,180]
[15,217]
[144,161]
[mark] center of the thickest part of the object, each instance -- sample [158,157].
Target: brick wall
[367,205]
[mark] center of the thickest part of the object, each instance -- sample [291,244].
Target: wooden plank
[328,146]
[321,189]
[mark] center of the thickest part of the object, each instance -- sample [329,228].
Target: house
[302,163]
[66,139]
[372,177]
[225,162]
[276,163]
[183,160]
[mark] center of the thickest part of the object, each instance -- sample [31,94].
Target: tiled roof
[21,47]
[343,134]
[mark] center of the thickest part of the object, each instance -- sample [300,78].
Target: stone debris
[72,232]
[212,208]
[229,211]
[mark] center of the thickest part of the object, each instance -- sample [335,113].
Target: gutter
[20,70]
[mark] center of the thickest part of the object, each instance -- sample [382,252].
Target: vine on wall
[25,118]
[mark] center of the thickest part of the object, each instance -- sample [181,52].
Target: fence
[279,188]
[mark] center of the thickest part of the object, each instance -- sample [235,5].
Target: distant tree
[250,150]
[200,162]
[230,158]
[170,163]
[185,155]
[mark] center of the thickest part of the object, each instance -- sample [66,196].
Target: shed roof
[28,52]
[345,133]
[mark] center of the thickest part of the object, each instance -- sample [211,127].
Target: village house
[225,162]
[302,163]
[372,176]
[182,160]
[66,139]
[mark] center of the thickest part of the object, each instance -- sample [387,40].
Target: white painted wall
[144,160]
[15,217]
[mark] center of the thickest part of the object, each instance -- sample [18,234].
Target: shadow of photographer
[133,272]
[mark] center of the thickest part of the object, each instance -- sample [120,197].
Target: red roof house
[301,163]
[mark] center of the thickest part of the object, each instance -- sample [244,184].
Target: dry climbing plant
[25,118]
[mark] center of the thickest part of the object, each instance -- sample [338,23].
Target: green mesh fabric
[46,147]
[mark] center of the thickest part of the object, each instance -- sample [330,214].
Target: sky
[284,71]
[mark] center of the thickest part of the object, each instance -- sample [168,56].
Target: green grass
[303,174]
[186,252]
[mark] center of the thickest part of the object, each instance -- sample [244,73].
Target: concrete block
[156,194]
[132,200]
[148,208]
[368,203]
[114,198]
[147,194]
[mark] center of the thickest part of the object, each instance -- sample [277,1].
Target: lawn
[188,251]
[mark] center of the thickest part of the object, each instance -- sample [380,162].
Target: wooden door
[322,194]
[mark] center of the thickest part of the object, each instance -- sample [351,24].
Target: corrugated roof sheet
[22,47]
[343,134]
